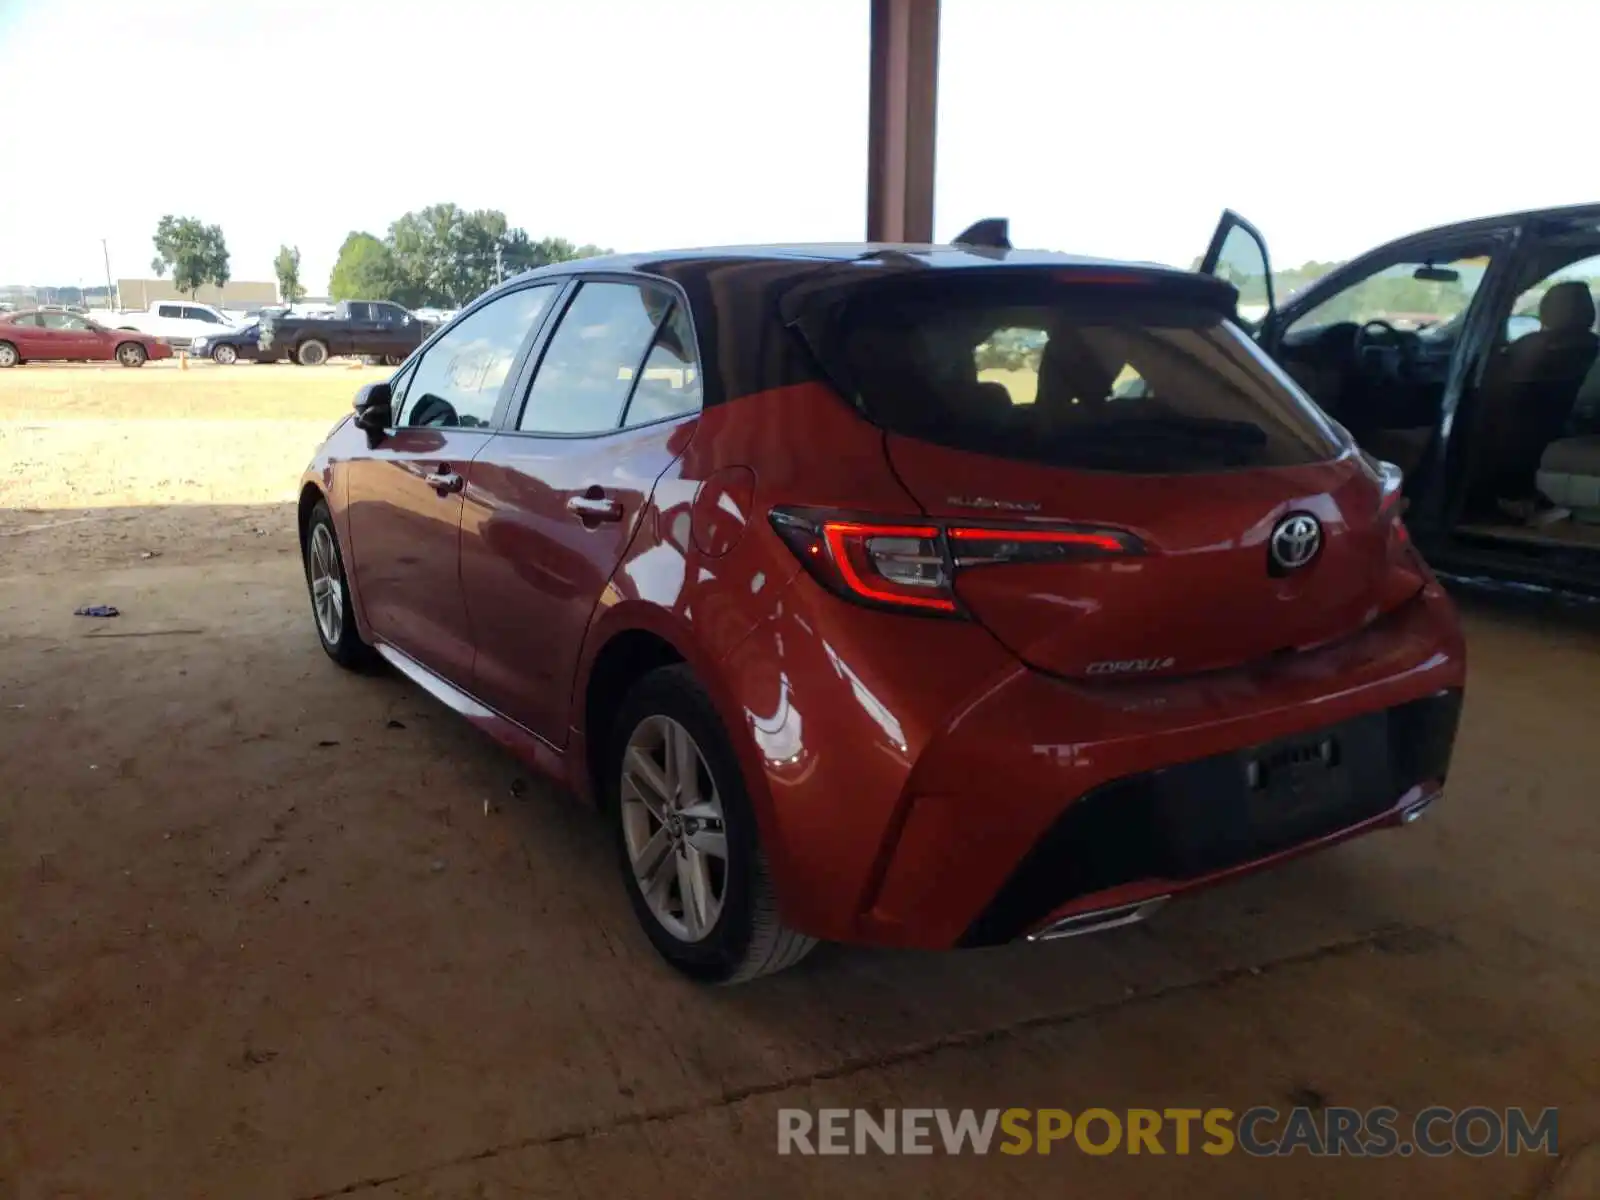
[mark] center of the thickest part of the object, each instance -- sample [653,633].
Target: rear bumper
[1133,902]
[974,801]
[1160,833]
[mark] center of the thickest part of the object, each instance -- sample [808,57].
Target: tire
[743,937]
[224,355]
[311,353]
[9,356]
[132,354]
[335,621]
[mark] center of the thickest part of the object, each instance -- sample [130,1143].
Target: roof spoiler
[993,233]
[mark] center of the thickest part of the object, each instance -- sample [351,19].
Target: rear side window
[587,372]
[1090,376]
[669,385]
[169,310]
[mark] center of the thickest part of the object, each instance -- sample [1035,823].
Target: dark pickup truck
[373,328]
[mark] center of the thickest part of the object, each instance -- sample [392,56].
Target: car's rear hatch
[1124,405]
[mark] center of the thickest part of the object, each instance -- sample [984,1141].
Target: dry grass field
[273,931]
[100,454]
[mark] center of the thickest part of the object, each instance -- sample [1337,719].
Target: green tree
[365,270]
[287,268]
[194,252]
[521,253]
[446,255]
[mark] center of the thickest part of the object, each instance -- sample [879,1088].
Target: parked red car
[917,596]
[40,334]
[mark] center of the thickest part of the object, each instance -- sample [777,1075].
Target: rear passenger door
[26,333]
[557,495]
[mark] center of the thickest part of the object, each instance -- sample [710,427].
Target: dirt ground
[271,930]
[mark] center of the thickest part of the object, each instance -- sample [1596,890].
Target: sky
[1118,129]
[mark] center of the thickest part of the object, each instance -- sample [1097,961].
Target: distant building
[239,293]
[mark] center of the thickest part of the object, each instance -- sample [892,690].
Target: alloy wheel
[8,355]
[674,828]
[226,355]
[327,593]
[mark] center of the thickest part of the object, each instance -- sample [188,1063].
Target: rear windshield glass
[1084,376]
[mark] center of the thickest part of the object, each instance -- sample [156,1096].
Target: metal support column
[903,109]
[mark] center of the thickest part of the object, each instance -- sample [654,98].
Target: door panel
[26,335]
[405,503]
[405,496]
[553,507]
[546,521]
[53,343]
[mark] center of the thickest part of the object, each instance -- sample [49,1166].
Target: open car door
[1238,255]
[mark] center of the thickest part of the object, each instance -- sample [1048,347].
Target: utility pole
[111,299]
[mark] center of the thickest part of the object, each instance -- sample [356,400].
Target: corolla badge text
[1130,666]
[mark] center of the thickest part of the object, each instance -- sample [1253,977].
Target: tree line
[438,256]
[442,256]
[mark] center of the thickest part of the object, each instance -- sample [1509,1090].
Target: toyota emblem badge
[1295,541]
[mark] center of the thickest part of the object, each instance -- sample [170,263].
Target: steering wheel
[1382,350]
[1382,335]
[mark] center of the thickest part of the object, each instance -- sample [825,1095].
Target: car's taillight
[977,546]
[881,562]
[913,565]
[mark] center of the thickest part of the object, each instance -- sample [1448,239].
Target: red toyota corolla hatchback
[906,595]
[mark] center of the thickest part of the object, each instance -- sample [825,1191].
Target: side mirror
[374,410]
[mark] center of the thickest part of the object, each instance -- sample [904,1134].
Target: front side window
[588,370]
[60,320]
[457,383]
[1410,296]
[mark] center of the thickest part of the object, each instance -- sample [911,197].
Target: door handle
[444,481]
[595,507]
